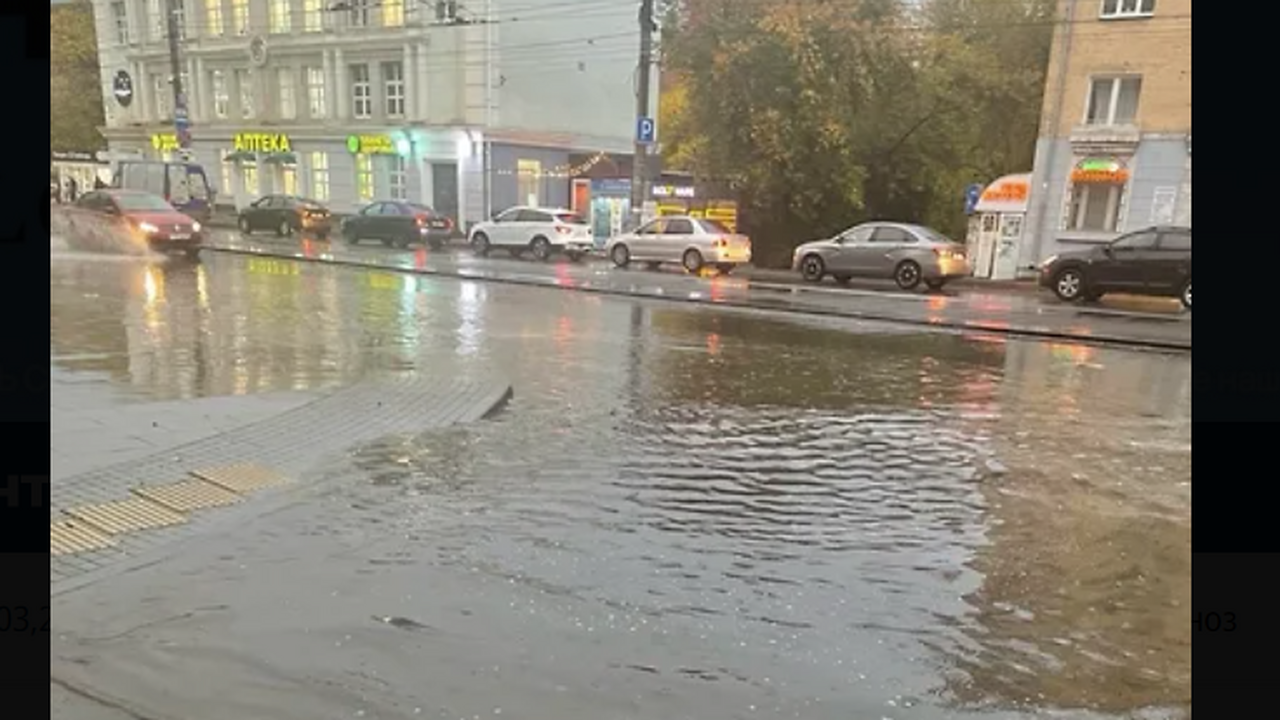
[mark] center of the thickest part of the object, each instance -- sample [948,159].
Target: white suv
[540,231]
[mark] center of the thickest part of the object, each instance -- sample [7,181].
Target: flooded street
[690,512]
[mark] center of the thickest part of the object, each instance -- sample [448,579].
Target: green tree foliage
[825,113]
[75,96]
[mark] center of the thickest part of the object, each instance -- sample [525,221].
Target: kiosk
[996,227]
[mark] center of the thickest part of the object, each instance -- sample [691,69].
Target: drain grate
[67,537]
[124,516]
[242,479]
[188,495]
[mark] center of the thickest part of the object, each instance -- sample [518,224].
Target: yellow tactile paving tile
[123,516]
[188,495]
[71,536]
[243,478]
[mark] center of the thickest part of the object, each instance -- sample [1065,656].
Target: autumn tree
[75,95]
[829,112]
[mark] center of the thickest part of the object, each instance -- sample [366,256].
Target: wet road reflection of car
[818,519]
[119,220]
[1152,261]
[907,254]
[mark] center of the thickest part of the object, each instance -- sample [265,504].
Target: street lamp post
[181,119]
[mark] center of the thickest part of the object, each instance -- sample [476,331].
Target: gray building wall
[1160,163]
[505,183]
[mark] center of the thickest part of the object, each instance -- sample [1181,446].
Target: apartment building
[466,107]
[1114,152]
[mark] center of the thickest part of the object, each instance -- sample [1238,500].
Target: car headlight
[148,227]
[195,227]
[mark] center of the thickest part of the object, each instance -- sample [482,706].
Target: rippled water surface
[856,521]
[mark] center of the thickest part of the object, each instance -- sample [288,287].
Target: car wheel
[907,275]
[843,279]
[812,268]
[935,285]
[1068,285]
[1185,295]
[244,226]
[620,256]
[480,244]
[285,229]
[691,260]
[725,268]
[541,248]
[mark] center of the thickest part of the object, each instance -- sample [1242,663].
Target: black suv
[1150,261]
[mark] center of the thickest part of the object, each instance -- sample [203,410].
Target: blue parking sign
[971,196]
[646,130]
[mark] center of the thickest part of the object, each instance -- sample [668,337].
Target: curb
[971,326]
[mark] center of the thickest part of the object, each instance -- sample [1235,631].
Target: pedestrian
[72,188]
[98,184]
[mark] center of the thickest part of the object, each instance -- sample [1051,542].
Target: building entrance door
[444,189]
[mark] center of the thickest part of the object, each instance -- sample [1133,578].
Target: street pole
[639,164]
[181,120]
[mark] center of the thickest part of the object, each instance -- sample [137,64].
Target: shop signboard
[371,145]
[258,142]
[165,142]
[1100,170]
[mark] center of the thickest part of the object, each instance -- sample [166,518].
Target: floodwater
[852,520]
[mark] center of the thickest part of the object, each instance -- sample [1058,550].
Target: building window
[281,21]
[361,92]
[249,177]
[319,176]
[446,10]
[120,14]
[392,13]
[1095,207]
[240,16]
[359,13]
[221,98]
[393,76]
[226,172]
[288,180]
[317,107]
[164,96]
[156,15]
[399,179]
[288,101]
[213,17]
[1127,8]
[1113,101]
[313,15]
[245,85]
[180,18]
[364,178]
[529,182]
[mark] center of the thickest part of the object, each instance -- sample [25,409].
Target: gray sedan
[692,242]
[907,254]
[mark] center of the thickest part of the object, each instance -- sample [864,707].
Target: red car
[123,220]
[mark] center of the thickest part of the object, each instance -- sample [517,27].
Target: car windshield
[713,227]
[142,202]
[570,218]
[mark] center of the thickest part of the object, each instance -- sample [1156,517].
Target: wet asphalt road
[1130,320]
[686,512]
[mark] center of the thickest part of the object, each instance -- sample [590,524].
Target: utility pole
[181,120]
[639,164]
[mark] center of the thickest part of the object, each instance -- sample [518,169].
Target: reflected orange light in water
[717,289]
[1073,352]
[308,248]
[202,287]
[985,338]
[937,302]
[420,258]
[564,331]
[562,275]
[713,343]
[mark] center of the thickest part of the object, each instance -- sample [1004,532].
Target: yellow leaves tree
[75,94]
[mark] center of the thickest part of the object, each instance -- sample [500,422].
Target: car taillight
[448,223]
[421,220]
[722,242]
[564,229]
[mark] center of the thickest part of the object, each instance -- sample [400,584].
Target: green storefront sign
[371,145]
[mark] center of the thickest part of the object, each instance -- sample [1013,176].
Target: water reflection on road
[850,515]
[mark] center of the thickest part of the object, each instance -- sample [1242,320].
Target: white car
[538,231]
[692,242]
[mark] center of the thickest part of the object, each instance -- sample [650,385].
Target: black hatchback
[285,215]
[1151,261]
[398,223]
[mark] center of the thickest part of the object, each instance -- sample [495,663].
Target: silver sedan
[695,243]
[907,254]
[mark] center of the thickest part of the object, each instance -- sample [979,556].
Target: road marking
[121,516]
[67,537]
[242,479]
[189,495]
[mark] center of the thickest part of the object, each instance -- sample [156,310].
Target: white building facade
[468,110]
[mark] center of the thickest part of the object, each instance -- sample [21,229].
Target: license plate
[437,224]
[179,236]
